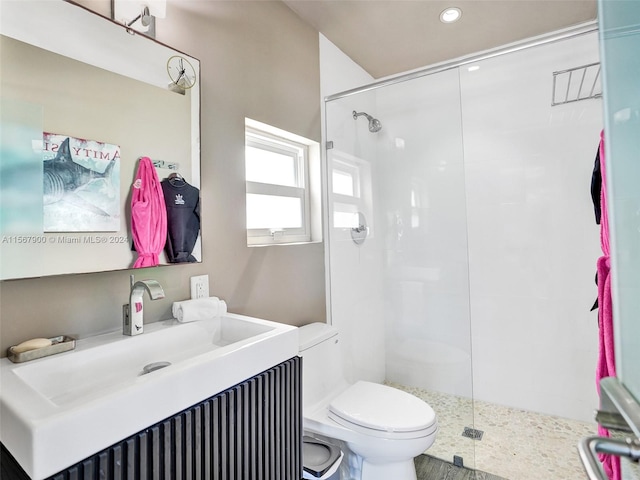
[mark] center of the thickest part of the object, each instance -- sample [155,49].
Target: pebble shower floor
[516,444]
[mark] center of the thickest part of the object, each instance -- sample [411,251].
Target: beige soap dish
[59,344]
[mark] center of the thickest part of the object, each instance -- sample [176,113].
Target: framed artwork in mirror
[81,185]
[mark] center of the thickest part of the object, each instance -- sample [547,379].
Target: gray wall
[258,60]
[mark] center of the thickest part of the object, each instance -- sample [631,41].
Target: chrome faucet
[132,313]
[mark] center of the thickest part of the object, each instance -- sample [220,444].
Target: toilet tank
[322,373]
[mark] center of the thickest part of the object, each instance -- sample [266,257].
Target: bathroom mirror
[69,73]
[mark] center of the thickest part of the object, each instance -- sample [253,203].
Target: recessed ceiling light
[450,15]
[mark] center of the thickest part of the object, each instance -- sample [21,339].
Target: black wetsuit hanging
[183,219]
[596,188]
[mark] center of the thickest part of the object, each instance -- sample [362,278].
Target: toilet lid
[382,408]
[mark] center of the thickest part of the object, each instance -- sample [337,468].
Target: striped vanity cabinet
[250,431]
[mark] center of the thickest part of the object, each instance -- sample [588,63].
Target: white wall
[338,72]
[533,241]
[354,289]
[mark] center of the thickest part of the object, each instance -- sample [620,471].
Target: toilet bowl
[383,427]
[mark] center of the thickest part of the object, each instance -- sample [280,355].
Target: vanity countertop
[61,409]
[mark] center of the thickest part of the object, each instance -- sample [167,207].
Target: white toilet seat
[381,411]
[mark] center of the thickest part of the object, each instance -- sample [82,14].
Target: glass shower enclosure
[461,244]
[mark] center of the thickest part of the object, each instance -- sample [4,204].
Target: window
[278,169]
[351,191]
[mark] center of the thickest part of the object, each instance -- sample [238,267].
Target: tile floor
[516,444]
[431,468]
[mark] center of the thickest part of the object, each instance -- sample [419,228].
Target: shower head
[374,123]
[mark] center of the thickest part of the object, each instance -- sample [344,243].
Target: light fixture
[450,15]
[139,15]
[473,68]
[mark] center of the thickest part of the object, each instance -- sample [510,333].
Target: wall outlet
[200,286]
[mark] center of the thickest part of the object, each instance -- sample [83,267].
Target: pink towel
[148,215]
[606,357]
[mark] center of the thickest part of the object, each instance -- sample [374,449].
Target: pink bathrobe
[606,359]
[148,215]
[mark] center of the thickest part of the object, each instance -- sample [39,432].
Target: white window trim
[264,136]
[361,200]
[353,171]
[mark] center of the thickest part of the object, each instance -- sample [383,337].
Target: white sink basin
[94,372]
[61,409]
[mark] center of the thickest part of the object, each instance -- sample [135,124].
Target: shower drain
[472,433]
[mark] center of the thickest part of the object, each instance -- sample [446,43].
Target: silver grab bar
[590,447]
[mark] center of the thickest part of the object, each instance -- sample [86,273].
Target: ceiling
[386,37]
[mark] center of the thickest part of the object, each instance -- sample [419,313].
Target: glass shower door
[620,44]
[400,288]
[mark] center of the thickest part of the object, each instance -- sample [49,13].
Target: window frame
[299,152]
[360,203]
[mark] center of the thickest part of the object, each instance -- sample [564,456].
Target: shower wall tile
[358,307]
[356,301]
[533,241]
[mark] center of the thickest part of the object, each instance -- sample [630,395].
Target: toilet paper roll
[198,309]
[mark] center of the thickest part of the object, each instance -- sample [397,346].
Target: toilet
[383,427]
